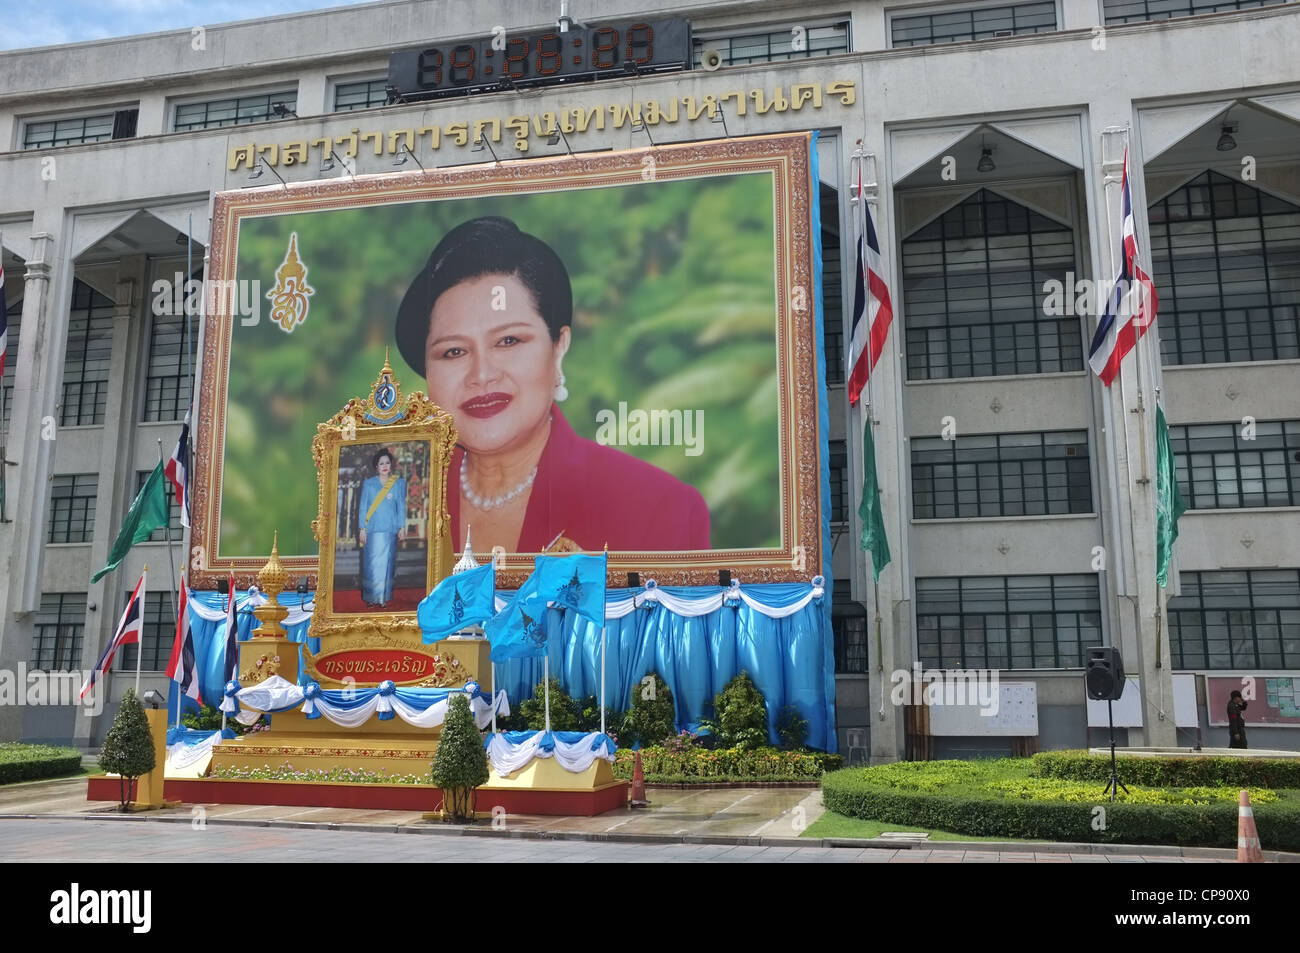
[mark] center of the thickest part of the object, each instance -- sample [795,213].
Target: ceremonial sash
[379,497]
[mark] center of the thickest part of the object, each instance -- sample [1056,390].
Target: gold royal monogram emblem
[288,298]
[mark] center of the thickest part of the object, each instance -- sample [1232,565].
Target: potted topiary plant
[460,764]
[652,717]
[128,748]
[741,714]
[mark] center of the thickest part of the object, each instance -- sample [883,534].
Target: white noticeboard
[1185,712]
[1016,714]
[1128,707]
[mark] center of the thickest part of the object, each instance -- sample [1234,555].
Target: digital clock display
[543,57]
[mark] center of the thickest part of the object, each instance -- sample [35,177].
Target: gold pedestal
[149,787]
[547,774]
[393,746]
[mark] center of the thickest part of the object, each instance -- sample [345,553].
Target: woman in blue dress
[381,526]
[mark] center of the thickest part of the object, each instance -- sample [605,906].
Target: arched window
[1226,262]
[973,291]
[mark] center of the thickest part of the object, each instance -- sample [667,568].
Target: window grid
[167,383]
[1139,11]
[88,357]
[839,471]
[1007,621]
[173,508]
[1229,620]
[849,625]
[68,132]
[13,317]
[72,508]
[773,45]
[1226,262]
[1031,474]
[975,23]
[832,292]
[360,95]
[159,633]
[1219,469]
[233,111]
[972,281]
[60,625]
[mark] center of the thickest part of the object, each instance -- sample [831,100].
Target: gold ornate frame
[363,421]
[785,158]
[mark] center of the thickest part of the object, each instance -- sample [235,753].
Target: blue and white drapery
[576,751]
[696,638]
[351,708]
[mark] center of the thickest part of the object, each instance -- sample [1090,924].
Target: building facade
[1018,492]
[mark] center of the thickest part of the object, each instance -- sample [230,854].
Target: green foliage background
[674,291]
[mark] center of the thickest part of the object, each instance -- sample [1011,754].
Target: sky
[48,22]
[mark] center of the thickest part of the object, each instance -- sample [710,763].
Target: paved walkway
[53,821]
[102,839]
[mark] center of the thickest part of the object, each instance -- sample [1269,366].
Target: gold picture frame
[381,418]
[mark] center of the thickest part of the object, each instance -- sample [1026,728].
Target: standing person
[1236,721]
[487,323]
[381,525]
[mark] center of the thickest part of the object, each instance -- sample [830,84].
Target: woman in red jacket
[488,322]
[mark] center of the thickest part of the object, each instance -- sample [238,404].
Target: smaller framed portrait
[382,523]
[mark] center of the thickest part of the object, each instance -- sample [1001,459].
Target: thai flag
[128,630]
[178,471]
[232,633]
[872,309]
[1132,304]
[181,667]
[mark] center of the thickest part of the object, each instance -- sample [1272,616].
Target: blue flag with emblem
[575,582]
[461,600]
[519,630]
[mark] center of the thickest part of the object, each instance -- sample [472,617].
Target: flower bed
[335,775]
[32,762]
[1007,798]
[663,765]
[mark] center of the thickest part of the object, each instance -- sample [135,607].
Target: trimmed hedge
[1169,772]
[854,793]
[726,765]
[33,762]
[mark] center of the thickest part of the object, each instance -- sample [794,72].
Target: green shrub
[128,747]
[208,718]
[33,762]
[1169,772]
[741,714]
[682,763]
[652,717]
[460,764]
[564,712]
[1001,799]
[791,727]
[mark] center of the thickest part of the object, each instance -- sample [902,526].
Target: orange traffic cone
[637,794]
[1248,850]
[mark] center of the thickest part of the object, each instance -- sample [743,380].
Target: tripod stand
[1114,784]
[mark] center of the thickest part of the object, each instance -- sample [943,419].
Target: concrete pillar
[116,482]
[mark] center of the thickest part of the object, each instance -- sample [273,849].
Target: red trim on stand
[373,797]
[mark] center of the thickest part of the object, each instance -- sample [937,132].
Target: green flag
[1169,502]
[873,522]
[148,513]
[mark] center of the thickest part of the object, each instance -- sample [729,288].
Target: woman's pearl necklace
[496,502]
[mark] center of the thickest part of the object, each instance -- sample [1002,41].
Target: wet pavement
[53,821]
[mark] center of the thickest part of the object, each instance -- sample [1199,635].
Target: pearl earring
[561,392]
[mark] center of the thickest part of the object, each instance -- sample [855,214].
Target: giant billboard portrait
[627,342]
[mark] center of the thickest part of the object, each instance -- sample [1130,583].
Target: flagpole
[546,688]
[494,697]
[179,696]
[139,648]
[861,200]
[171,553]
